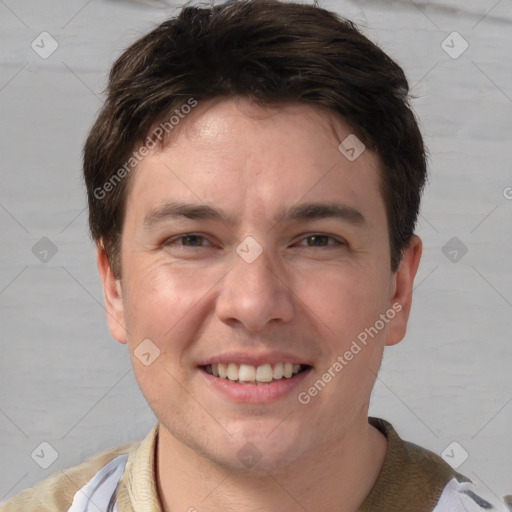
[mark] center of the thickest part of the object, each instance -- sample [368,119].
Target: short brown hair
[270,52]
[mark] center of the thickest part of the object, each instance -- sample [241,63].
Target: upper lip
[243,357]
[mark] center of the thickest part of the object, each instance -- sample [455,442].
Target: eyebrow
[178,210]
[297,213]
[314,211]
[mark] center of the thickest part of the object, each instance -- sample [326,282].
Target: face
[251,239]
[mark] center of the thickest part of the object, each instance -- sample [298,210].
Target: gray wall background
[64,381]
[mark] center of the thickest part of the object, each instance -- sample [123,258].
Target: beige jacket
[412,479]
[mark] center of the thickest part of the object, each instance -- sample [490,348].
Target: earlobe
[112,295]
[401,292]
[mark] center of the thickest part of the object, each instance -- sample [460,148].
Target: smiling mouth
[248,374]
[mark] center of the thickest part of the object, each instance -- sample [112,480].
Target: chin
[257,463]
[261,454]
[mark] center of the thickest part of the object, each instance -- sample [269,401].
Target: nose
[255,293]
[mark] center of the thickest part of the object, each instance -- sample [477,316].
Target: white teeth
[248,373]
[278,371]
[232,371]
[264,373]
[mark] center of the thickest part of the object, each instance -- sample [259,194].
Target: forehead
[247,158]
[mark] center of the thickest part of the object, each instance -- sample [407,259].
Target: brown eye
[192,240]
[186,240]
[321,240]
[318,240]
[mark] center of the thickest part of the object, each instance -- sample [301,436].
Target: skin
[312,297]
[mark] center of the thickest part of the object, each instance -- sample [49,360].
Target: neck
[335,478]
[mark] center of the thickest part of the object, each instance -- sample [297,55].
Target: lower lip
[255,393]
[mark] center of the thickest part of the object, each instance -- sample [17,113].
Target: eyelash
[338,242]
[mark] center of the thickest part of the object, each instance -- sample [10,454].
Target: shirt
[412,479]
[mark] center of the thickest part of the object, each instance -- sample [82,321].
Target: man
[254,180]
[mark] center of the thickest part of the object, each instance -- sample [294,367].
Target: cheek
[346,299]
[153,305]
[165,300]
[160,314]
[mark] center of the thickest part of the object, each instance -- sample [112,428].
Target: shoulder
[469,497]
[415,478]
[55,493]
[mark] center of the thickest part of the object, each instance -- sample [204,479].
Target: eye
[188,240]
[322,240]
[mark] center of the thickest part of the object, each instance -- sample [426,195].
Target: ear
[112,296]
[401,290]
